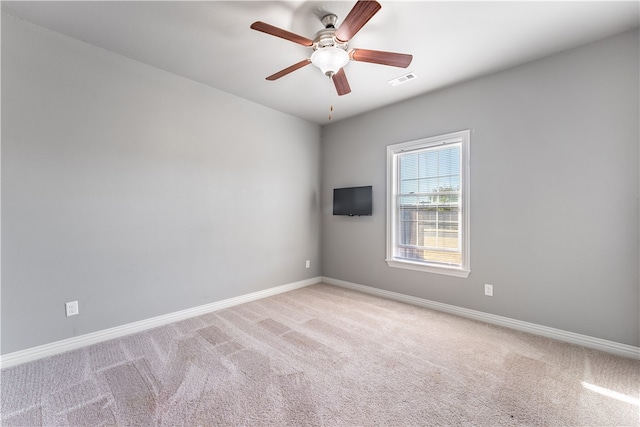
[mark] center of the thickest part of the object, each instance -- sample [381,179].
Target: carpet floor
[323,355]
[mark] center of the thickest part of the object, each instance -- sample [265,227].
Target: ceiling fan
[330,45]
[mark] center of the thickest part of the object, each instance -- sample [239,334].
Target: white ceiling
[211,42]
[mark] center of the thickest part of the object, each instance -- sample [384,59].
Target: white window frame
[393,154]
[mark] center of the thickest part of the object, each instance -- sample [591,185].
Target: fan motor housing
[326,38]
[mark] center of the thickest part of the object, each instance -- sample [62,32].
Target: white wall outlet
[72,308]
[307,264]
[488,290]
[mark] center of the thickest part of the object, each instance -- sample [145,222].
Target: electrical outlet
[488,290]
[72,308]
[308,264]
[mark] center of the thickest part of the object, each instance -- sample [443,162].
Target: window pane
[409,186]
[408,202]
[429,185]
[408,234]
[428,234]
[427,214]
[448,239]
[429,221]
[408,166]
[445,200]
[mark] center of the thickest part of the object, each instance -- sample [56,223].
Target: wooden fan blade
[341,83]
[357,17]
[288,70]
[279,32]
[379,57]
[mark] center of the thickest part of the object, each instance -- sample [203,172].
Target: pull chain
[330,97]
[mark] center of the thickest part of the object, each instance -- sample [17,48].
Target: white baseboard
[46,350]
[558,334]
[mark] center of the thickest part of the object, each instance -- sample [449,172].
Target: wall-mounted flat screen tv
[352,201]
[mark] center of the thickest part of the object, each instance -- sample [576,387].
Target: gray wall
[139,193]
[554,191]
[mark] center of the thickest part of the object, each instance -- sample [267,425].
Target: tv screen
[352,201]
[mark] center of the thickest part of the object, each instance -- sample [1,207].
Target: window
[428,204]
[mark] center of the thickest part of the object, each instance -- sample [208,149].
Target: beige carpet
[323,355]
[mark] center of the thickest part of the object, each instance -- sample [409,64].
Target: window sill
[428,268]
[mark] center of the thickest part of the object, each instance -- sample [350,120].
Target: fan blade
[279,32]
[357,17]
[288,70]
[379,57]
[341,83]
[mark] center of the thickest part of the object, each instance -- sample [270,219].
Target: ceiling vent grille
[402,79]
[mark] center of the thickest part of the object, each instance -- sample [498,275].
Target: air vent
[402,79]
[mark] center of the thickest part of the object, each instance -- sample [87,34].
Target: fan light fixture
[330,59]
